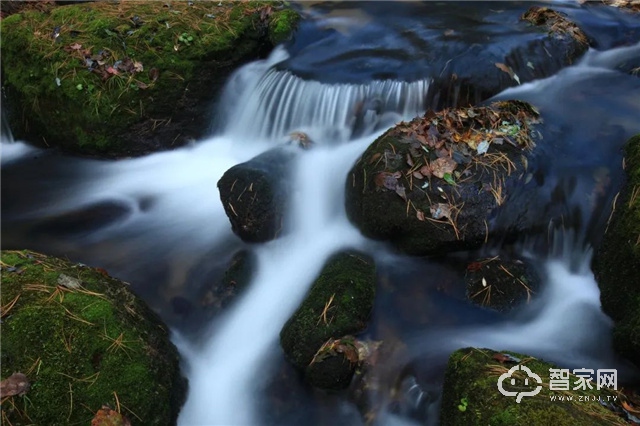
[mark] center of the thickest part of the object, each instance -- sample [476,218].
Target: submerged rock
[617,261]
[500,284]
[471,396]
[430,186]
[255,194]
[84,340]
[127,78]
[234,281]
[338,304]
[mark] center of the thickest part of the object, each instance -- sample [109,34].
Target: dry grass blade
[7,308]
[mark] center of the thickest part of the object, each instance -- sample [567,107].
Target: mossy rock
[338,304]
[471,395]
[617,261]
[431,186]
[84,340]
[501,284]
[125,78]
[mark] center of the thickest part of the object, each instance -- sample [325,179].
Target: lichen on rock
[85,341]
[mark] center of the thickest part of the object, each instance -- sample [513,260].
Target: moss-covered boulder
[617,261]
[338,304]
[83,340]
[471,395]
[500,284]
[255,194]
[430,186]
[125,78]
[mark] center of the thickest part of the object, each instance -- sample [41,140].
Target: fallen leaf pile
[104,65]
[441,143]
[556,23]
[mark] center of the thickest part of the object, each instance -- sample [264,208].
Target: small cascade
[280,103]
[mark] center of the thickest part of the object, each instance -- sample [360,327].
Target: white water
[226,369]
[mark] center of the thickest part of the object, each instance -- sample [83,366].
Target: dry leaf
[108,417]
[442,166]
[418,175]
[425,170]
[401,192]
[440,210]
[16,384]
[154,74]
[69,282]
[420,215]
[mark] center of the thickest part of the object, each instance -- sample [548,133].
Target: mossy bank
[471,395]
[126,78]
[617,260]
[83,340]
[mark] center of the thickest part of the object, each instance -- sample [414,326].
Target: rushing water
[157,222]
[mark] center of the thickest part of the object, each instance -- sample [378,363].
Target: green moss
[282,26]
[91,119]
[83,348]
[344,290]
[473,374]
[617,259]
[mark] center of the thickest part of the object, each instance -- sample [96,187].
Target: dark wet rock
[338,304]
[234,281]
[125,79]
[72,328]
[255,194]
[430,186]
[500,284]
[86,219]
[617,260]
[333,366]
[471,396]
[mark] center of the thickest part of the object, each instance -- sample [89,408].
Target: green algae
[83,348]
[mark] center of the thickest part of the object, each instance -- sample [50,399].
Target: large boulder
[255,194]
[316,338]
[471,396]
[431,185]
[83,340]
[617,260]
[127,78]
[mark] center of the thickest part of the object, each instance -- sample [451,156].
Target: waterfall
[279,102]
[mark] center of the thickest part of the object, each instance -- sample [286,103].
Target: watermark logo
[509,375]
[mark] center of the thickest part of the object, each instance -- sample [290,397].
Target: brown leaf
[154,74]
[137,66]
[108,417]
[401,192]
[16,384]
[425,170]
[409,160]
[418,175]
[504,68]
[442,166]
[420,215]
[440,210]
[373,158]
[75,46]
[141,85]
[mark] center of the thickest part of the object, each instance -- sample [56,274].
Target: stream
[157,221]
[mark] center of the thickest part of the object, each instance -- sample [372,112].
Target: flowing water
[157,222]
